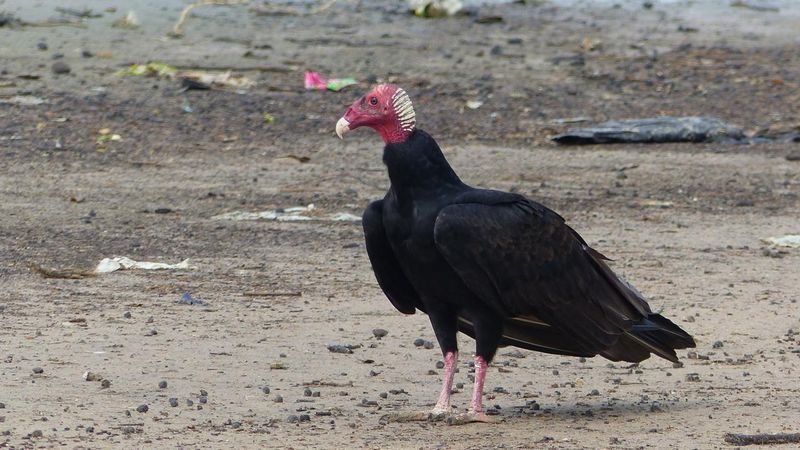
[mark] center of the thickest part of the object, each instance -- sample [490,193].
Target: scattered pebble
[105,384]
[459,385]
[677,365]
[439,364]
[278,399]
[307,392]
[717,344]
[37,433]
[41,46]
[500,390]
[162,384]
[265,389]
[151,332]
[379,332]
[336,348]
[61,68]
[594,392]
[189,402]
[693,377]
[173,402]
[203,393]
[316,394]
[142,408]
[292,419]
[383,395]
[419,342]
[38,370]
[203,400]
[127,315]
[427,345]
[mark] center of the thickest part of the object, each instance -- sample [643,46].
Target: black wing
[387,270]
[523,260]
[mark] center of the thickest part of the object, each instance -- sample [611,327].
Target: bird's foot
[472,417]
[434,415]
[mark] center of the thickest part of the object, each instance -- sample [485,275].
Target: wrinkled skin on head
[386,109]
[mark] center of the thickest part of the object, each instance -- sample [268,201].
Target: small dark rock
[38,370]
[500,390]
[41,46]
[427,345]
[173,402]
[459,385]
[677,365]
[292,419]
[37,433]
[594,392]
[304,418]
[203,393]
[307,392]
[105,384]
[2,405]
[87,54]
[692,376]
[439,365]
[162,384]
[127,315]
[793,156]
[61,68]
[142,408]
[152,332]
[265,389]
[189,402]
[383,395]
[203,400]
[419,342]
[316,394]
[278,399]
[162,210]
[717,344]
[379,332]
[336,348]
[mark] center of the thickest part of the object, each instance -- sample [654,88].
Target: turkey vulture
[496,266]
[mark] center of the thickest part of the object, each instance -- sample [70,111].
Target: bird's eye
[373,101]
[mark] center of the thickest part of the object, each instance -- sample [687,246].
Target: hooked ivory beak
[342,127]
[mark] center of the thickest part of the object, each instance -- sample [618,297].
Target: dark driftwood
[659,129]
[762,439]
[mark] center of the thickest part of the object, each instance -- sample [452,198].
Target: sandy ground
[682,221]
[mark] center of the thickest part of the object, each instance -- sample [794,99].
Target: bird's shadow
[602,409]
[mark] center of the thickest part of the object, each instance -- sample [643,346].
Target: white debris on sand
[789,240]
[293,214]
[108,265]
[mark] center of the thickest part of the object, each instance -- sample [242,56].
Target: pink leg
[476,407]
[443,404]
[476,413]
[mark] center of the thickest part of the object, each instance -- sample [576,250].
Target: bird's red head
[386,109]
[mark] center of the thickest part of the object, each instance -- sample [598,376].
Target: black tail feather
[660,336]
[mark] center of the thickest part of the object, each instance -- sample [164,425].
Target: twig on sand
[264,10]
[177,30]
[272,294]
[69,274]
[762,439]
